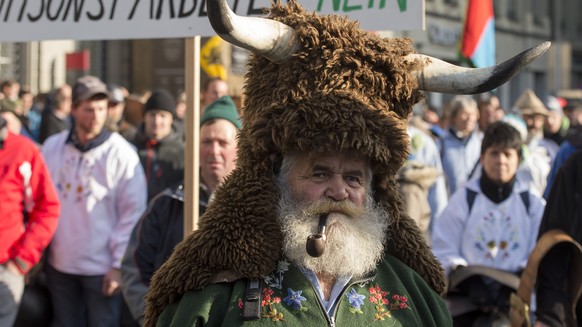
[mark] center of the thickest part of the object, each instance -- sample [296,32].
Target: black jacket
[563,211]
[152,241]
[51,124]
[162,161]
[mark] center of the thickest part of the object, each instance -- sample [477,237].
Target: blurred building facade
[143,65]
[519,25]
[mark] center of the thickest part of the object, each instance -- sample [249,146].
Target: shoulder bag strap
[520,301]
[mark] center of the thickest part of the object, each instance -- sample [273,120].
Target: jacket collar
[91,144]
[494,192]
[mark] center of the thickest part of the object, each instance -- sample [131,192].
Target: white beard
[355,243]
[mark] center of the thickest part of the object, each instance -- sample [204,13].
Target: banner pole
[192,131]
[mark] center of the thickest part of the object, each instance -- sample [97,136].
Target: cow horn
[440,76]
[268,38]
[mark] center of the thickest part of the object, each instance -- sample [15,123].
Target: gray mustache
[326,206]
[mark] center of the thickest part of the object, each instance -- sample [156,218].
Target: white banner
[29,20]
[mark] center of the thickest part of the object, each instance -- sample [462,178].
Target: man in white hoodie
[102,189]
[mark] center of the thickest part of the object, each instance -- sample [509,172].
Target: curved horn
[268,38]
[440,76]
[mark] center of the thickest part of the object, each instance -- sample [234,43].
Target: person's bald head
[213,90]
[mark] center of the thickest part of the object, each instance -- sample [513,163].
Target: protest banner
[30,20]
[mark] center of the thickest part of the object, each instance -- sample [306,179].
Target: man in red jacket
[29,209]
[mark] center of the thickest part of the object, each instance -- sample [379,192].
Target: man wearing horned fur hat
[309,229]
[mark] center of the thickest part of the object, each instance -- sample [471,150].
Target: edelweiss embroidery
[275,279]
[385,307]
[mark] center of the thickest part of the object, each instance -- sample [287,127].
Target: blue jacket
[459,157]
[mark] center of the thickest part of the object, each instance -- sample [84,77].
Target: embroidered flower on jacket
[380,299]
[294,299]
[275,278]
[356,301]
[269,302]
[282,266]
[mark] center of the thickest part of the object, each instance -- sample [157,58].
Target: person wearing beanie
[222,108]
[219,126]
[309,228]
[159,146]
[161,227]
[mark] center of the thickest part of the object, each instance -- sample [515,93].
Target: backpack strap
[471,195]
[525,198]
[475,166]
[252,301]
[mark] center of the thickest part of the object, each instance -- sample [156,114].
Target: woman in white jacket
[493,220]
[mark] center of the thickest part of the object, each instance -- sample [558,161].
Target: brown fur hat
[345,89]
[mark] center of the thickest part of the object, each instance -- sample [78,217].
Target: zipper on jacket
[331,319]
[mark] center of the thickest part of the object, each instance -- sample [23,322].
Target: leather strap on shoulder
[520,301]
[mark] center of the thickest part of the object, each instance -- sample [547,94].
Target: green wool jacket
[394,295]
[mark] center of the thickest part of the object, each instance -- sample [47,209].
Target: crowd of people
[83,184]
[499,165]
[464,183]
[334,204]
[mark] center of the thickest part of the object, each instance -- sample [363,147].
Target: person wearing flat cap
[159,146]
[102,190]
[161,227]
[309,228]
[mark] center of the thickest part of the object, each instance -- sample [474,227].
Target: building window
[540,84]
[497,5]
[540,9]
[452,2]
[513,11]
[577,79]
[515,88]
